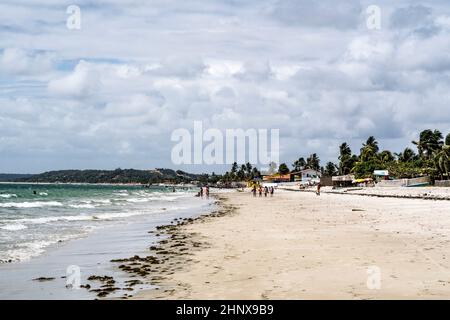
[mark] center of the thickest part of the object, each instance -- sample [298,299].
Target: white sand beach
[297,245]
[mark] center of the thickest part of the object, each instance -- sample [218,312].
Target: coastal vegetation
[115,176]
[432,158]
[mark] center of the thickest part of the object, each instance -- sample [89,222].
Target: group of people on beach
[203,191]
[266,190]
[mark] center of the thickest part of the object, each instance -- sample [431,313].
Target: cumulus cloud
[84,81]
[110,94]
[16,61]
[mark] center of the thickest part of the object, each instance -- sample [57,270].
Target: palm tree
[370,147]
[234,169]
[429,142]
[407,155]
[283,169]
[255,173]
[313,162]
[299,164]
[386,156]
[241,173]
[226,177]
[248,169]
[345,155]
[344,151]
[442,158]
[330,169]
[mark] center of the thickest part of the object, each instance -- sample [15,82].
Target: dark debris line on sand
[169,255]
[425,196]
[43,279]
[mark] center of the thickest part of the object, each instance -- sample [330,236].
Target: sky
[111,93]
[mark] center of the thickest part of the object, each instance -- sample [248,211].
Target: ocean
[44,228]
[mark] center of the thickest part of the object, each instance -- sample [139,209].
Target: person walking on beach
[201,192]
[254,191]
[266,191]
[207,191]
[260,191]
[271,191]
[318,189]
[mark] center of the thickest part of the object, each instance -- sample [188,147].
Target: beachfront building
[277,178]
[381,175]
[306,175]
[343,181]
[302,176]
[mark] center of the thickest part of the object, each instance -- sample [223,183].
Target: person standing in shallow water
[207,191]
[201,192]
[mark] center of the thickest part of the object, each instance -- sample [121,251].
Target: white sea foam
[27,250]
[8,195]
[138,200]
[104,201]
[82,206]
[44,220]
[94,217]
[122,193]
[33,204]
[43,193]
[13,227]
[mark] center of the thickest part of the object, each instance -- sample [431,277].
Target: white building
[307,175]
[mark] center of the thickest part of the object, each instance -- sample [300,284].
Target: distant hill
[112,176]
[8,177]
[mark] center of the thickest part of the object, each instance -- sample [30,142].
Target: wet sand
[297,245]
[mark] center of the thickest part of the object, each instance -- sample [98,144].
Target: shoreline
[44,276]
[300,246]
[172,253]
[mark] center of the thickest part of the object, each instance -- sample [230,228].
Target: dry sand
[297,245]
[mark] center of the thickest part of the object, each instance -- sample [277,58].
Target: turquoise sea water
[34,217]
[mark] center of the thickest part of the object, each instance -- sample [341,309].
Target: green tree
[407,155]
[369,149]
[256,173]
[234,169]
[248,169]
[299,164]
[283,169]
[386,156]
[313,162]
[429,142]
[226,177]
[241,173]
[330,169]
[346,160]
[442,158]
[371,143]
